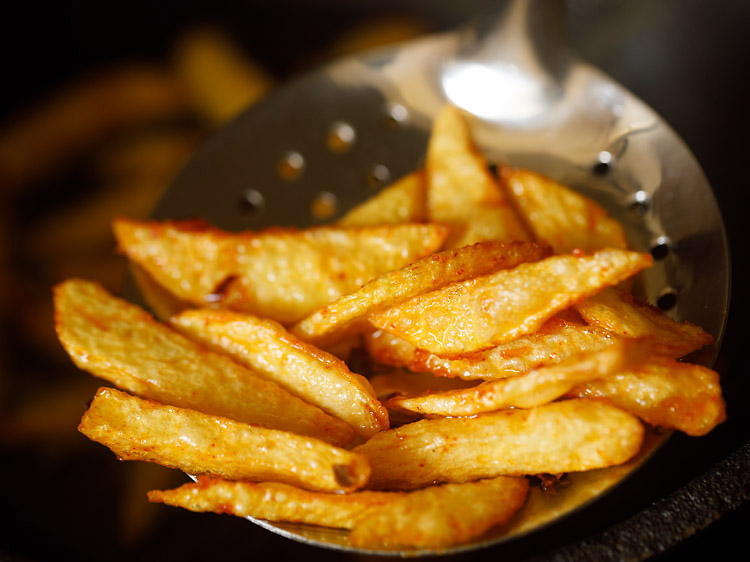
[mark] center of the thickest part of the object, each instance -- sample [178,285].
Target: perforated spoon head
[330,139]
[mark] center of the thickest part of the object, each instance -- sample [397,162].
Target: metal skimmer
[330,139]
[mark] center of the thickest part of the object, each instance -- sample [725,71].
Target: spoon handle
[510,65]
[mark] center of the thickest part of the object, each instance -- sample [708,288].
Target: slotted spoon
[330,139]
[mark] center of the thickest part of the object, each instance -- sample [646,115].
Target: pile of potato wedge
[489,311]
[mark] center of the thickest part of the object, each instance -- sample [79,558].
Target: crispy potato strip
[557,340]
[220,78]
[275,502]
[567,436]
[157,299]
[404,383]
[622,314]
[138,429]
[559,216]
[269,350]
[120,342]
[283,274]
[405,200]
[441,516]
[461,191]
[531,389]
[427,274]
[485,311]
[664,392]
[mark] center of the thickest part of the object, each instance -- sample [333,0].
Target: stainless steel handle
[511,66]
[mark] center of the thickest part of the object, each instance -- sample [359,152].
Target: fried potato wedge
[157,299]
[485,311]
[531,389]
[405,200]
[196,443]
[274,501]
[557,340]
[270,351]
[283,274]
[560,216]
[121,343]
[405,383]
[218,76]
[461,191]
[429,273]
[441,516]
[664,392]
[622,314]
[568,436]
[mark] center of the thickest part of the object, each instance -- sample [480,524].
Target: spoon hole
[661,248]
[605,163]
[291,166]
[252,201]
[641,203]
[341,137]
[324,205]
[667,299]
[396,115]
[378,176]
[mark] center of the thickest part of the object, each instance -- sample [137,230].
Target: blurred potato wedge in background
[196,443]
[219,78]
[664,392]
[123,344]
[405,200]
[461,190]
[270,351]
[441,516]
[275,501]
[527,390]
[44,139]
[621,313]
[484,311]
[557,340]
[426,274]
[560,216]
[568,436]
[279,273]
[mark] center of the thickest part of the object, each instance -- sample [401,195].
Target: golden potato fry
[120,342]
[283,274]
[274,501]
[441,516]
[374,32]
[403,201]
[269,350]
[405,383]
[567,436]
[485,311]
[134,175]
[531,389]
[622,314]
[427,274]
[159,301]
[52,133]
[557,340]
[219,78]
[559,216]
[664,392]
[196,443]
[461,191]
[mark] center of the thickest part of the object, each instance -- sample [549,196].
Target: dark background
[63,497]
